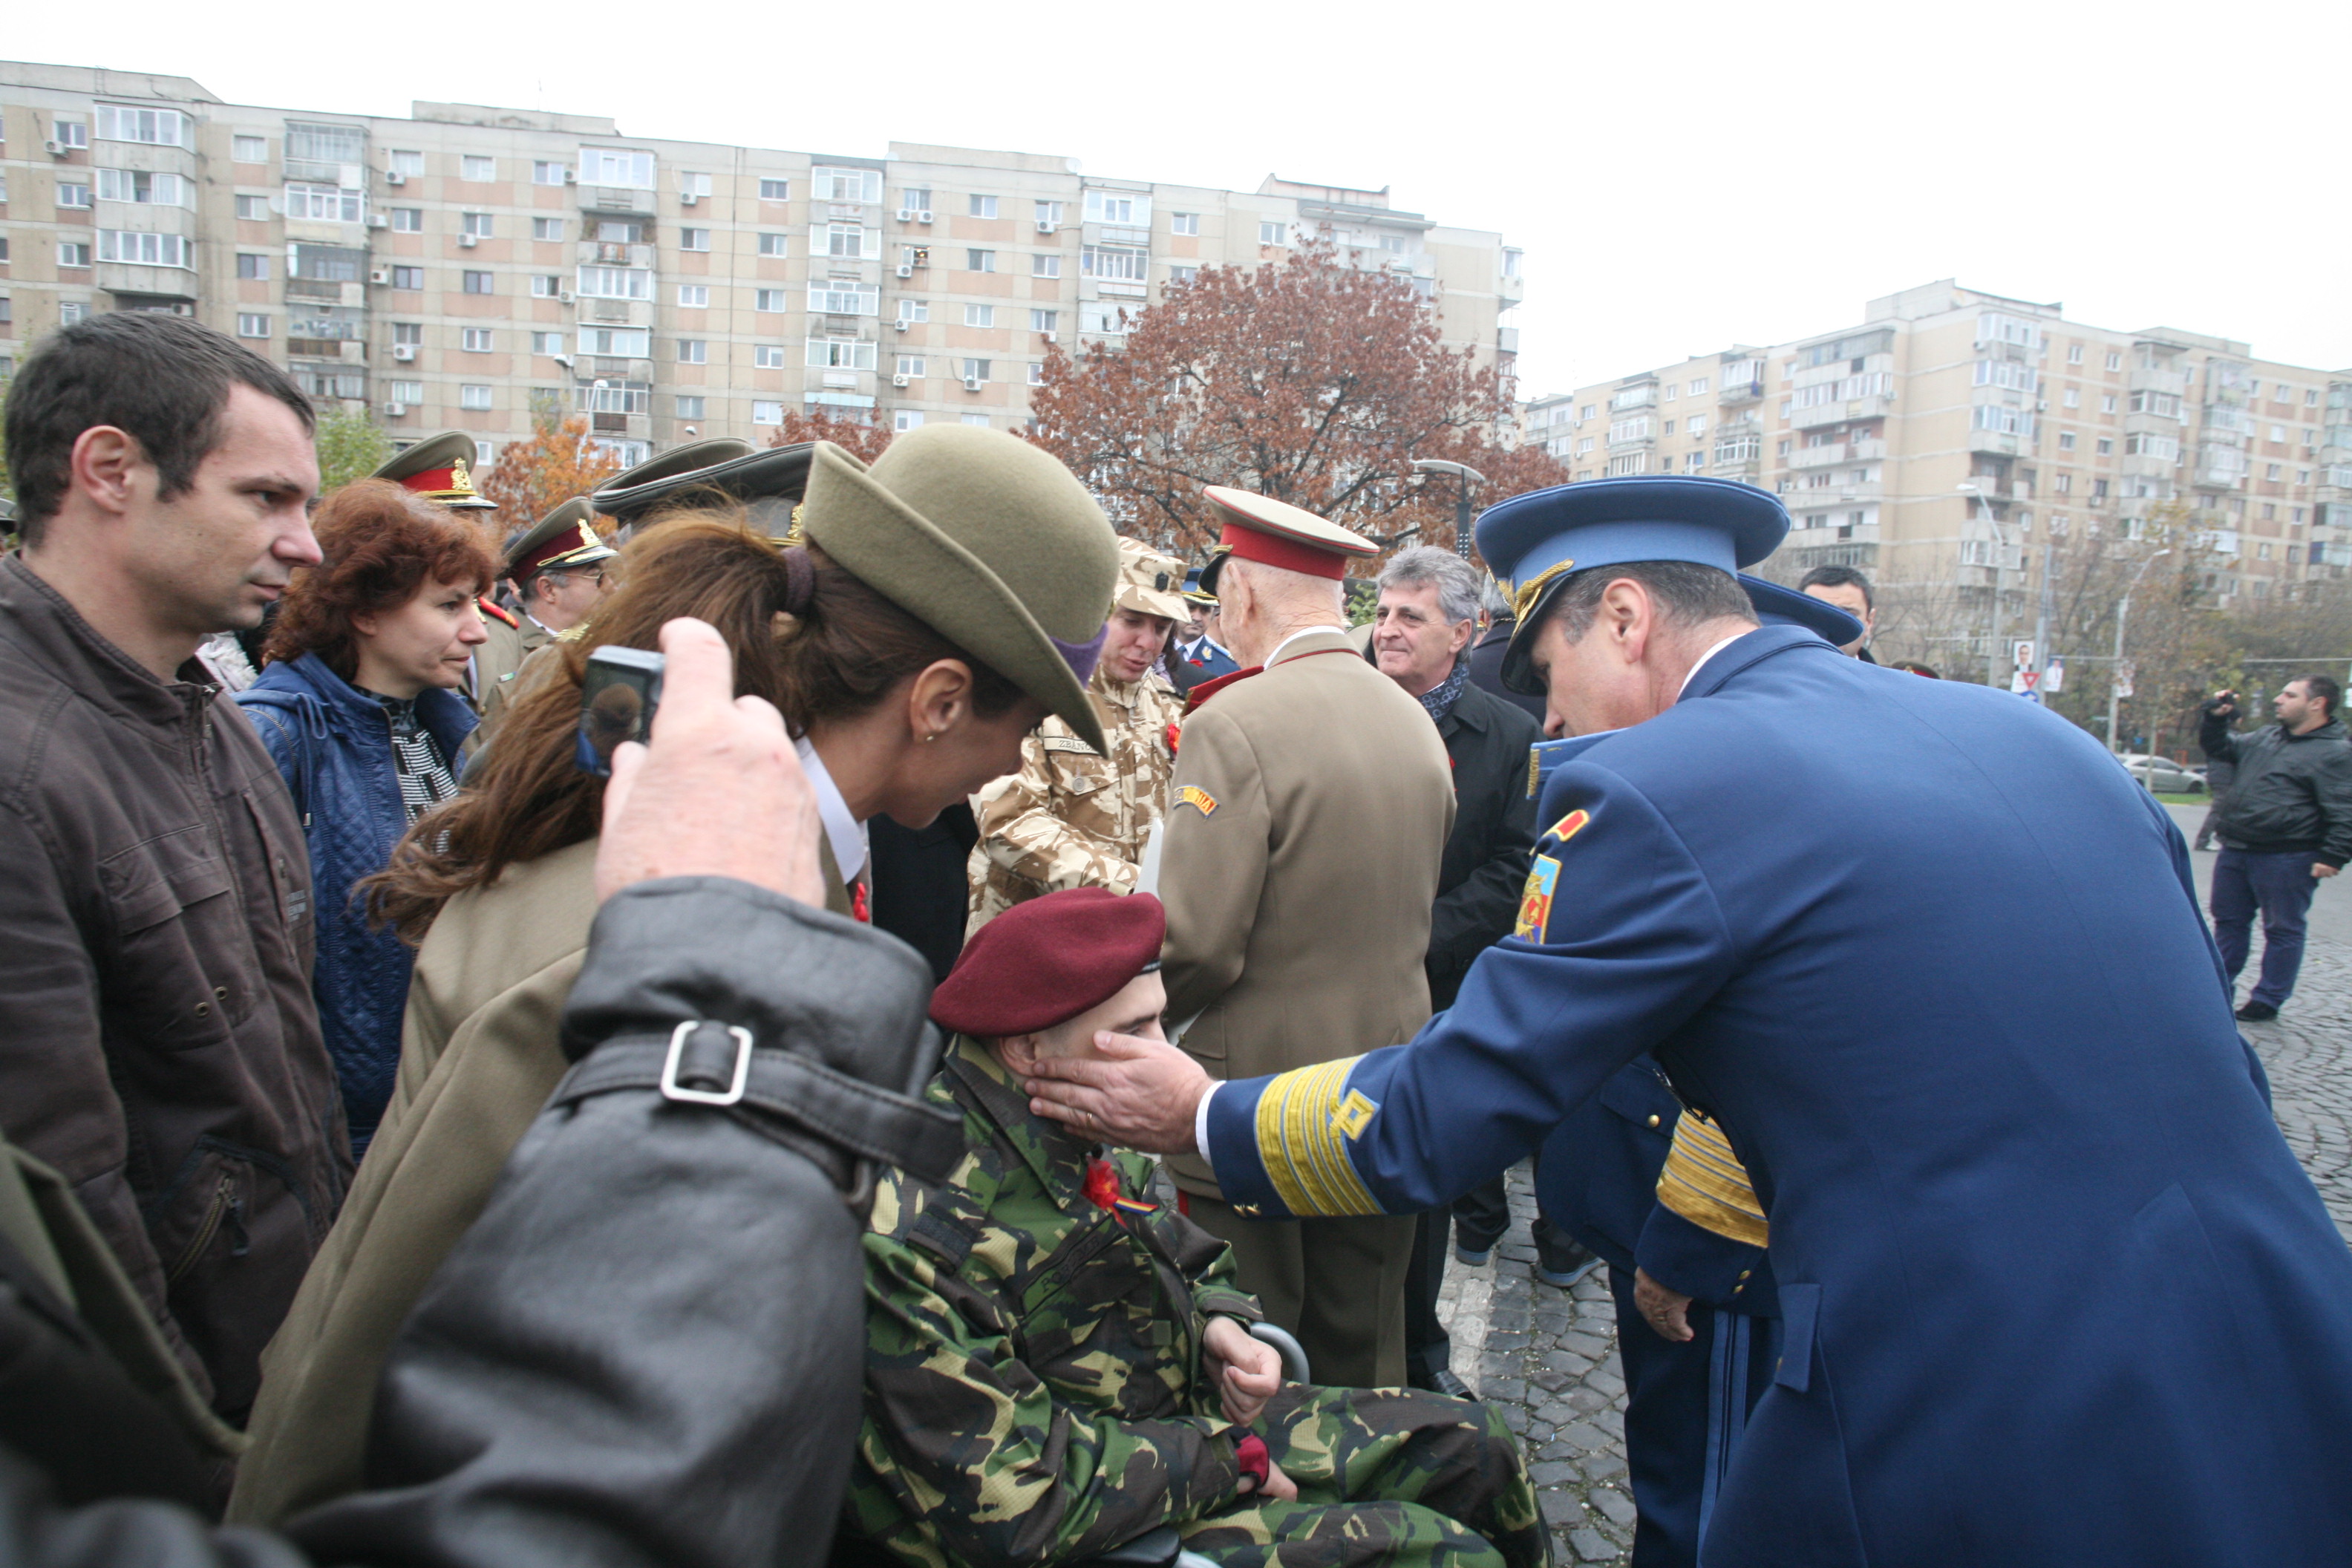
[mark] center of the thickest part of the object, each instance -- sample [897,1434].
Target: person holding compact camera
[943,603]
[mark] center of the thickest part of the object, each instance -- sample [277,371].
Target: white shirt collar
[1302,631]
[1708,655]
[542,625]
[843,831]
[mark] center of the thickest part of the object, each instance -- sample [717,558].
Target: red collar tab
[1207,689]
[497,612]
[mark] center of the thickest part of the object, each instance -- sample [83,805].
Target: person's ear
[365,621]
[939,697]
[1019,1054]
[104,463]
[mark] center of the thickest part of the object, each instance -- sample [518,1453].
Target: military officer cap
[1534,541]
[633,492]
[1044,962]
[1194,592]
[441,470]
[1149,582]
[565,537]
[986,540]
[1778,606]
[1259,528]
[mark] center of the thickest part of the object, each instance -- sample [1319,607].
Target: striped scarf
[426,780]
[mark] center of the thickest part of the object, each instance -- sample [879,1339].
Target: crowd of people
[422,1147]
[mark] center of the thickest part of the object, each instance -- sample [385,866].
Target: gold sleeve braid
[1305,1118]
[1704,1182]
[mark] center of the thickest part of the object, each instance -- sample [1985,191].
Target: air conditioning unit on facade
[971,383]
[380,275]
[377,220]
[395,410]
[404,351]
[690,198]
[563,295]
[902,323]
[1051,336]
[56,149]
[395,178]
[906,215]
[924,216]
[907,269]
[571,176]
[900,380]
[469,240]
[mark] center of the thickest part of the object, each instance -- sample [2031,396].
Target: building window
[694,296]
[1184,223]
[1272,231]
[694,239]
[689,406]
[907,419]
[1183,274]
[1043,321]
[912,312]
[547,343]
[840,184]
[1049,215]
[2104,447]
[249,149]
[980,315]
[983,206]
[2107,403]
[252,209]
[980,420]
[781,244]
[480,283]
[476,340]
[2067,440]
[325,204]
[2114,361]
[768,356]
[1036,374]
[252,325]
[409,391]
[775,190]
[408,277]
[2072,399]
[694,185]
[478,225]
[256,267]
[1121,207]
[546,286]
[910,365]
[766,414]
[1045,266]
[473,395]
[1698,388]
[693,350]
[547,228]
[72,310]
[142,249]
[71,193]
[408,220]
[406,164]
[546,172]
[840,297]
[139,186]
[975,370]
[979,261]
[772,301]
[1115,263]
[2074,354]
[473,168]
[613,166]
[156,127]
[2098,490]
[915,203]
[838,353]
[840,239]
[617,283]
[617,343]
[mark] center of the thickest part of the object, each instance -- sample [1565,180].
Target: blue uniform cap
[1779,606]
[1533,543]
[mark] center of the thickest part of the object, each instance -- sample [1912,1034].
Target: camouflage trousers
[1389,1477]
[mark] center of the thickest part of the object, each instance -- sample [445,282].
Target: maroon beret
[1046,961]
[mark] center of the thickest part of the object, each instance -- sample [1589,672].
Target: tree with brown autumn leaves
[533,476]
[862,441]
[1309,379]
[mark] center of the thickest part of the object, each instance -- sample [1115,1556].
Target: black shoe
[2257,1013]
[1563,1263]
[1473,1256]
[1442,1381]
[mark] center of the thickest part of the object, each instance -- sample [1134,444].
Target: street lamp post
[1464,477]
[2000,550]
[2123,608]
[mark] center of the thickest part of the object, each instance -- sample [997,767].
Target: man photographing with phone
[2286,823]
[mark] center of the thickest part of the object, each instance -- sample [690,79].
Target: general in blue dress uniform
[2052,1288]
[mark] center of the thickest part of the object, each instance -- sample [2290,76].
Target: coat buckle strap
[734,1093]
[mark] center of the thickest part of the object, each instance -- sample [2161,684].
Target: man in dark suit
[2053,1287]
[1421,639]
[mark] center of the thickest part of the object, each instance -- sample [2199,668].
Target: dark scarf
[1439,698]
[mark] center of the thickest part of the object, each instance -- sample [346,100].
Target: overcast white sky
[1681,174]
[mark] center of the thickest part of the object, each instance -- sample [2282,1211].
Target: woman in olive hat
[942,603]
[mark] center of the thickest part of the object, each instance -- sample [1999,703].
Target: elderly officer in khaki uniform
[1313,799]
[558,569]
[1073,816]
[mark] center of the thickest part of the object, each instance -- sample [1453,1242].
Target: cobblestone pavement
[1549,1357]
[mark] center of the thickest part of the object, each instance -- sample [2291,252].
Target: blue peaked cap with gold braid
[1534,541]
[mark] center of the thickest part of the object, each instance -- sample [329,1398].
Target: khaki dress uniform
[480,1049]
[1301,863]
[1073,816]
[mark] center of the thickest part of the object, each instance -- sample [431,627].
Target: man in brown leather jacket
[162,1046]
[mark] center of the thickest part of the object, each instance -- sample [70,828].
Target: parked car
[2162,776]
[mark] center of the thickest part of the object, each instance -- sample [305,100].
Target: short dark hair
[379,546]
[1686,591]
[162,379]
[2324,688]
[1839,578]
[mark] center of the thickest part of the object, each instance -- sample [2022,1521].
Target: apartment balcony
[615,253]
[2140,466]
[2214,473]
[1639,443]
[1507,340]
[2336,443]
[1818,457]
[1868,451]
[1875,407]
[2171,381]
[120,277]
[1733,393]
[616,312]
[325,292]
[350,351]
[636,426]
[616,200]
[2152,425]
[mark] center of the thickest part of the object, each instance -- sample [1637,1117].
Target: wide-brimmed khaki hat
[986,540]
[1151,584]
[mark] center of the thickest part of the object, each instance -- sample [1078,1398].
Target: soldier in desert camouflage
[1056,1363]
[1073,817]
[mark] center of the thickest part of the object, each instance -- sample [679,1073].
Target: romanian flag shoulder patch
[1535,899]
[1198,799]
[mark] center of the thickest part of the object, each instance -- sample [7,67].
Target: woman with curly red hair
[359,707]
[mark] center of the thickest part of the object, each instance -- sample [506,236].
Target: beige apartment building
[1951,433]
[470,265]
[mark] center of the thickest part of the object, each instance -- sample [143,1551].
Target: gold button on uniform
[1653,1122]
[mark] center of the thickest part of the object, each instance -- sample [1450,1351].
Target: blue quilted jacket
[333,744]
